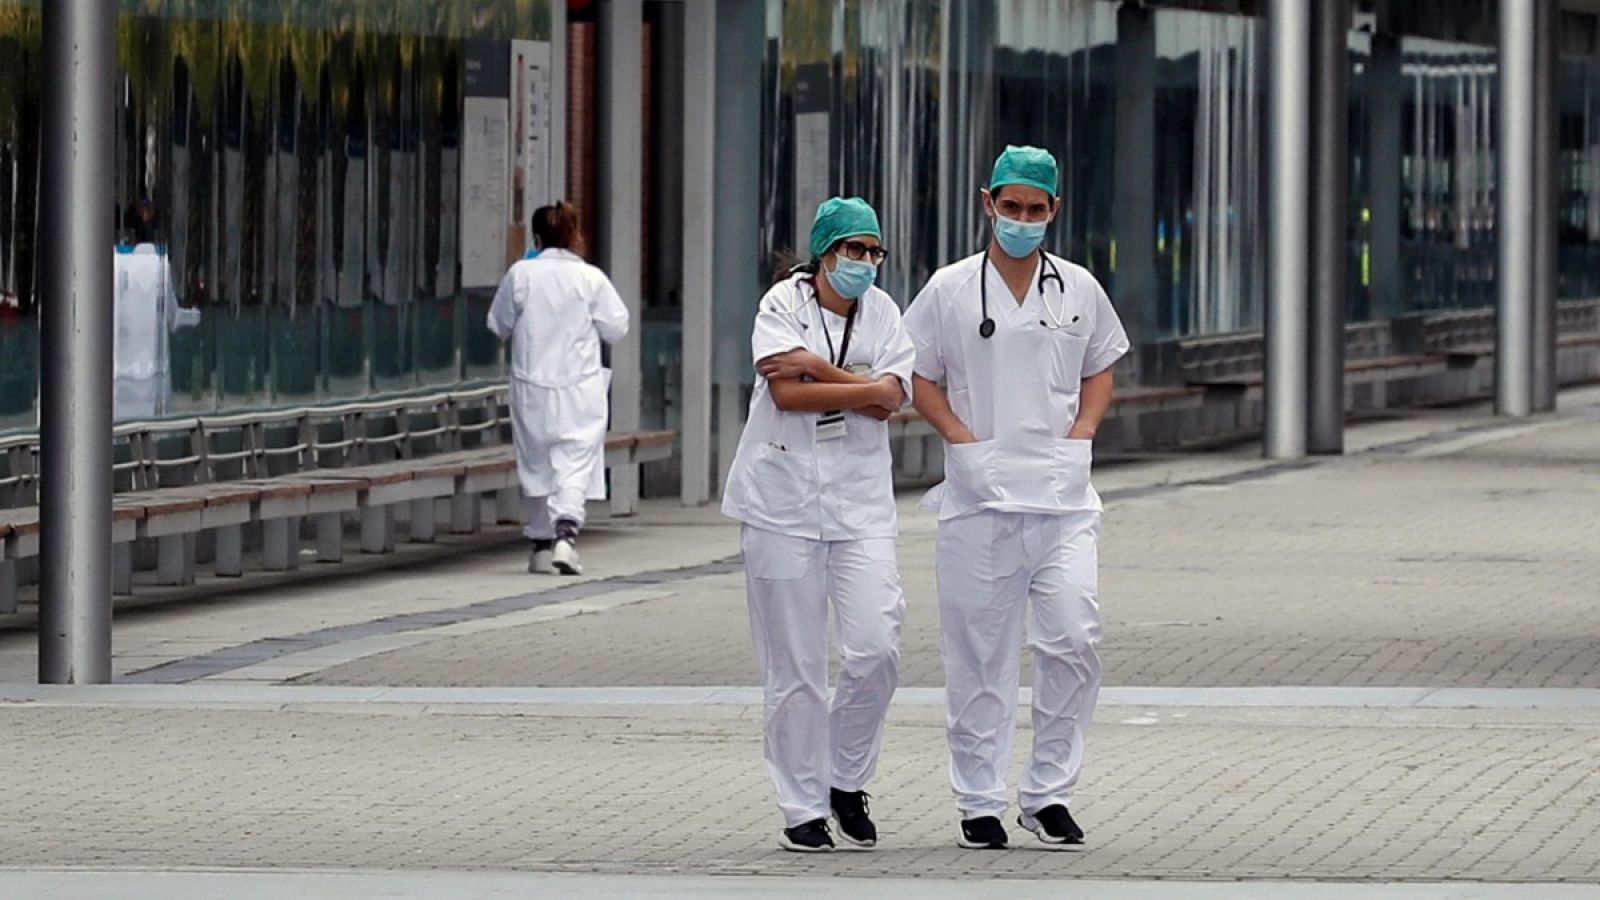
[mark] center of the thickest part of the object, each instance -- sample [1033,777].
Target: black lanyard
[849,323]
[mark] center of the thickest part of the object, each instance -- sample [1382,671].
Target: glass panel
[296,169]
[20,44]
[907,103]
[1448,175]
[1578,177]
[1209,186]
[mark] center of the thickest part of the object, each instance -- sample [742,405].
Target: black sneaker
[850,814]
[983,833]
[1054,825]
[808,837]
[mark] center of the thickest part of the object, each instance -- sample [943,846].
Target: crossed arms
[801,381]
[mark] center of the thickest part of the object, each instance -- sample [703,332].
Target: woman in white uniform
[556,309]
[812,483]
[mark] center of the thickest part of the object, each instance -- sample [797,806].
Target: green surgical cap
[1025,165]
[839,218]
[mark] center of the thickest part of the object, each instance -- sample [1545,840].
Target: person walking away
[812,483]
[1023,343]
[556,309]
[145,307]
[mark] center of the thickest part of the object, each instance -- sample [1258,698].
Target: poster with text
[485,164]
[530,130]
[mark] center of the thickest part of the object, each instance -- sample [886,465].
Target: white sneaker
[565,558]
[541,562]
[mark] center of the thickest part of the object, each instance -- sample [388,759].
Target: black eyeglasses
[858,251]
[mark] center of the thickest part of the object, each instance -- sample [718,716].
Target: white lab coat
[819,533]
[145,305]
[556,309]
[1019,521]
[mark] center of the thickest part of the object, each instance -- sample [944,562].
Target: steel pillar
[621,186]
[1330,186]
[699,241]
[1514,227]
[1546,162]
[76,195]
[1288,193]
[1133,215]
[736,268]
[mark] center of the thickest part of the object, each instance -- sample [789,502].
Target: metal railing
[167,452]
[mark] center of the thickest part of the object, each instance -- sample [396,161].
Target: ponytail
[786,264]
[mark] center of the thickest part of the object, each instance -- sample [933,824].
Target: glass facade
[299,165]
[307,170]
[907,103]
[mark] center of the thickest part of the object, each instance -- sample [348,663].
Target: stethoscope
[1047,272]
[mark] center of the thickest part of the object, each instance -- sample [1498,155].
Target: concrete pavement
[1378,671]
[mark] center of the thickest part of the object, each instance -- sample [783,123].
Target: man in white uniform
[1023,343]
[556,309]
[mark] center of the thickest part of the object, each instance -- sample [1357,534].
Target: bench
[318,472]
[1251,385]
[1467,355]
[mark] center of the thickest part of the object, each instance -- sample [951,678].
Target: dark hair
[139,222]
[557,227]
[786,264]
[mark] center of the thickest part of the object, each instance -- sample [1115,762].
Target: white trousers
[539,514]
[810,744]
[991,568]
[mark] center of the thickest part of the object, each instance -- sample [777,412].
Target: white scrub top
[556,309]
[785,480]
[1017,391]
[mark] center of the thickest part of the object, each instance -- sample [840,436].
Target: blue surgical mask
[850,277]
[1018,239]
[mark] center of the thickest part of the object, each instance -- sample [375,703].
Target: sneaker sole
[862,845]
[1049,841]
[565,569]
[963,843]
[792,847]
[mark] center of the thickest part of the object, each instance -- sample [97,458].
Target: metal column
[699,207]
[558,104]
[1288,193]
[76,194]
[741,40]
[1546,265]
[622,185]
[1515,225]
[1133,214]
[1330,183]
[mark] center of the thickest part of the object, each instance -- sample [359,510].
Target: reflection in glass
[302,160]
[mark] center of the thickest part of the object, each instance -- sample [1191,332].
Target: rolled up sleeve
[1109,342]
[921,325]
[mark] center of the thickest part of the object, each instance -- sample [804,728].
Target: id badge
[830,426]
